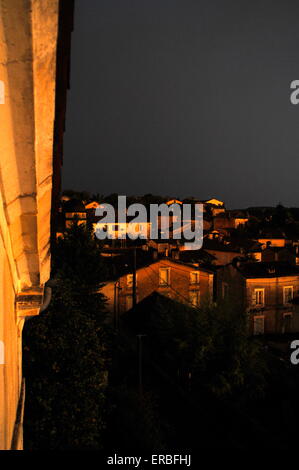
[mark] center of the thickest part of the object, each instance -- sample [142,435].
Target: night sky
[185,97]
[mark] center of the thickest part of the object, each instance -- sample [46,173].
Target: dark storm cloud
[185,98]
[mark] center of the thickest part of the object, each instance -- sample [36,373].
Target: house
[189,225]
[92,205]
[164,247]
[74,211]
[196,257]
[127,229]
[214,202]
[213,205]
[265,290]
[225,249]
[166,221]
[184,282]
[279,253]
[273,237]
[230,219]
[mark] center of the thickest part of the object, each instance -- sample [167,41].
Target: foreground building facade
[266,291]
[29,31]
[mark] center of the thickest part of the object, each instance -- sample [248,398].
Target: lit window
[259,297]
[194,277]
[194,298]
[287,294]
[258,325]
[164,276]
[130,279]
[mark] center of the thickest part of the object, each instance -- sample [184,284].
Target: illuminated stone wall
[28,40]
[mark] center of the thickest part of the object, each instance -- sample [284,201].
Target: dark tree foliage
[199,366]
[64,353]
[211,346]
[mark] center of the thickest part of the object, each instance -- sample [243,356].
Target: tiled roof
[232,245]
[267,269]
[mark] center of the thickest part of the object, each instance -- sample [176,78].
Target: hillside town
[147,339]
[248,256]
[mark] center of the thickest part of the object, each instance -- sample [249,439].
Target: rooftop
[267,269]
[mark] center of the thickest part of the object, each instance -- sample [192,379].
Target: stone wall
[28,42]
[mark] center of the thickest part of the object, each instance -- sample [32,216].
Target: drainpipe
[46,299]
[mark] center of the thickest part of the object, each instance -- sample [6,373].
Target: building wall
[241,291]
[274,310]
[229,222]
[230,281]
[282,255]
[10,335]
[28,40]
[273,241]
[148,282]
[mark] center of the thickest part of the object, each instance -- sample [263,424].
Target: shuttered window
[287,294]
[194,298]
[258,297]
[194,277]
[164,276]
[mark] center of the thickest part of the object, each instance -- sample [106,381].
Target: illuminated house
[118,229]
[230,219]
[226,250]
[91,206]
[184,282]
[266,291]
[74,212]
[274,237]
[31,36]
[214,202]
[215,206]
[165,222]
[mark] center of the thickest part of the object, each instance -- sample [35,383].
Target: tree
[211,344]
[65,354]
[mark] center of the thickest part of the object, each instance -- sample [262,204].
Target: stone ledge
[28,303]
